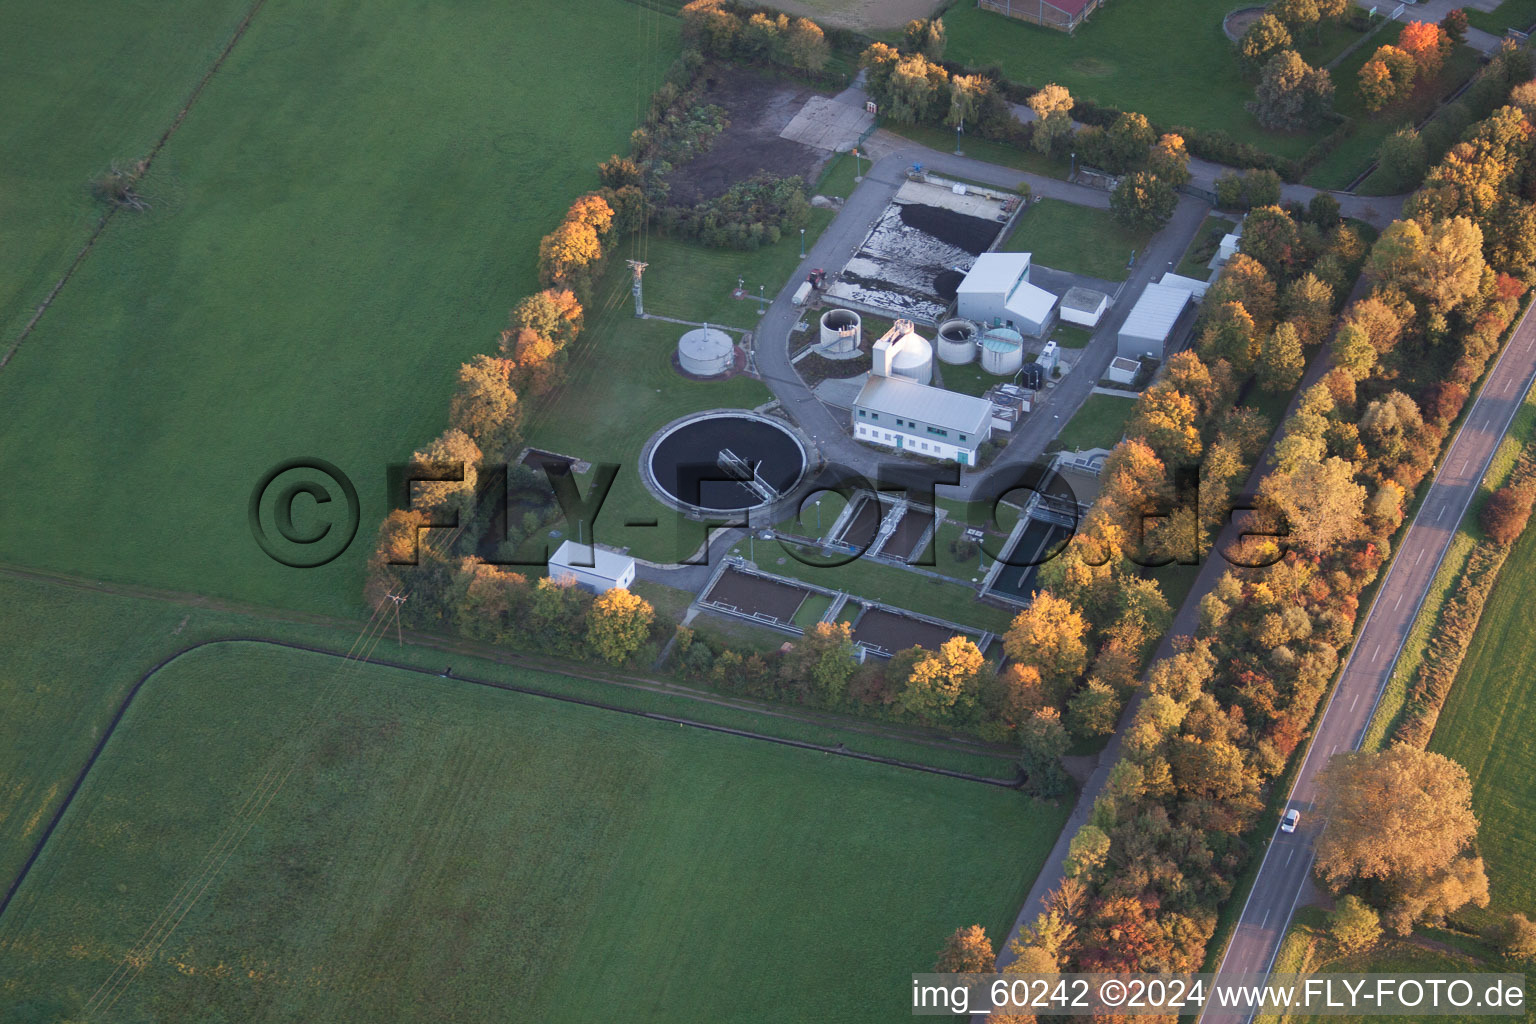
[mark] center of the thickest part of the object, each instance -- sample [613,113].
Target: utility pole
[639,268]
[399,600]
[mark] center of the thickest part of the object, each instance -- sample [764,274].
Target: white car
[1288,823]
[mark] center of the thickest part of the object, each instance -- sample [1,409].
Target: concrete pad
[826,124]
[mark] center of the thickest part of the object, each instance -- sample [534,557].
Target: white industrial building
[1123,370]
[595,568]
[997,293]
[908,416]
[1151,321]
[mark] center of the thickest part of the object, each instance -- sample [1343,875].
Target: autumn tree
[484,406]
[917,89]
[1455,25]
[1403,818]
[1168,160]
[1308,305]
[823,661]
[1264,38]
[1244,280]
[1428,44]
[1168,420]
[1052,106]
[1403,157]
[1291,94]
[1387,77]
[1042,742]
[1093,710]
[1450,266]
[943,682]
[1049,636]
[1515,936]
[966,951]
[1128,138]
[1281,359]
[454,456]
[1142,200]
[1270,236]
[1507,511]
[618,625]
[1087,852]
[925,36]
[1229,334]
[806,47]
[1320,501]
[1298,14]
[1353,925]
[966,95]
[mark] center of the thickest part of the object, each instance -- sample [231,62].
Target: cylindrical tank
[957,342]
[1002,351]
[706,352]
[914,359]
[840,330]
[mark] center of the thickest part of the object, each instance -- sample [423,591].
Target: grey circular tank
[957,341]
[840,330]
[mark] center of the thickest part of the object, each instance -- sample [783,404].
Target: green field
[85,89]
[1196,259]
[347,213]
[425,860]
[1167,59]
[1516,14]
[1488,724]
[1099,423]
[1078,239]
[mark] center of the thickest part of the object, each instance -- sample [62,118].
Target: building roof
[1155,312]
[1030,303]
[898,397]
[573,557]
[1193,285]
[1122,363]
[996,272]
[1086,299]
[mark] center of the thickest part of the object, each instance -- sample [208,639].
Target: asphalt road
[1285,873]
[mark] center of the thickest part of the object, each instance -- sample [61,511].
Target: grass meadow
[429,858]
[1078,239]
[346,214]
[85,89]
[1167,59]
[1488,724]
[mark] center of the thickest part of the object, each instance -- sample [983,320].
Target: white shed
[1083,306]
[1150,322]
[592,567]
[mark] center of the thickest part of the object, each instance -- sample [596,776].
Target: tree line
[1223,716]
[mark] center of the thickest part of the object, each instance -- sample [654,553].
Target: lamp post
[1074,165]
[802,243]
[858,173]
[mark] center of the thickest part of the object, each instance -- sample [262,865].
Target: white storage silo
[902,352]
[706,352]
[957,342]
[840,330]
[1002,351]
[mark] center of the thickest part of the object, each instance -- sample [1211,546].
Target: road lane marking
[1354,702]
[1264,922]
[1290,855]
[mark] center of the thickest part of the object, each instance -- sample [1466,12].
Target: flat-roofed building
[930,421]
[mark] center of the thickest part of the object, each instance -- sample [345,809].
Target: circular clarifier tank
[725,461]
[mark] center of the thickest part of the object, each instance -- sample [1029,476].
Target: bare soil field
[862,14]
[759,106]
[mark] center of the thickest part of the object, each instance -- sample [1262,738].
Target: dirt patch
[969,233]
[754,595]
[862,14]
[758,106]
[889,632]
[1240,21]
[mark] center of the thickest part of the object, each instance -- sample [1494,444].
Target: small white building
[997,293]
[595,568]
[1123,370]
[913,417]
[1150,322]
[1083,306]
